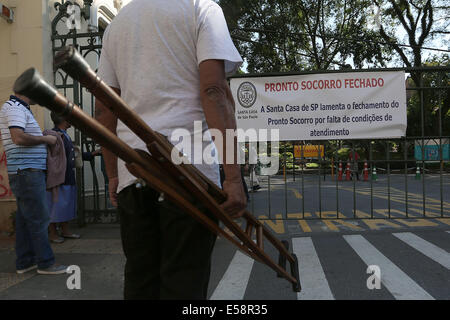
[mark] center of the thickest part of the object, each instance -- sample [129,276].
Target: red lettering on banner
[321,84]
[281,86]
[324,84]
[364,83]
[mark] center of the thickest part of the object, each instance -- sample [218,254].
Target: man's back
[155,48]
[168,59]
[151,52]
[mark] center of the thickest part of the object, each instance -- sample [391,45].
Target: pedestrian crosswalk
[234,282]
[311,271]
[397,282]
[412,266]
[430,250]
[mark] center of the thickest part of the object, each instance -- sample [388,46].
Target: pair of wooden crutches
[183,184]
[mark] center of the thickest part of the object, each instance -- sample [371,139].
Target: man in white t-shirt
[168,59]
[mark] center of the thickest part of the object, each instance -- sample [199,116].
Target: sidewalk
[98,254]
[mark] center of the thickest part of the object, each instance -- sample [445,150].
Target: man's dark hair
[56,118]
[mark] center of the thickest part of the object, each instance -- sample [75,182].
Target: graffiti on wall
[5,190]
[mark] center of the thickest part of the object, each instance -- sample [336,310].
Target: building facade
[26,41]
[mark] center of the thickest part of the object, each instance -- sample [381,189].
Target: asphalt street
[413,265]
[340,257]
[312,196]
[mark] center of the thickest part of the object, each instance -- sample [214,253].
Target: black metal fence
[392,178]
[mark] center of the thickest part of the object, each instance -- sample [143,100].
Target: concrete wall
[21,48]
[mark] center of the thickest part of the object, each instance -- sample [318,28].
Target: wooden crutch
[149,168]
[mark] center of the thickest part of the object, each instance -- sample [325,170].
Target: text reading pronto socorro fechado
[324,84]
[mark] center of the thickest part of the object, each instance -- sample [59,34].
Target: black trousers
[168,253]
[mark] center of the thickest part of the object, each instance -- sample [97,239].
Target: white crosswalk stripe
[399,284]
[314,283]
[430,250]
[234,282]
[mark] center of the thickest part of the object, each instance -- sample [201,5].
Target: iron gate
[93,202]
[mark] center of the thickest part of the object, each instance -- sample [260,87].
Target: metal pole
[422,107]
[405,152]
[354,178]
[285,183]
[388,177]
[320,186]
[337,188]
[303,179]
[371,180]
[441,160]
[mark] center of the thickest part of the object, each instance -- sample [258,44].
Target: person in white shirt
[168,59]
[26,155]
[253,162]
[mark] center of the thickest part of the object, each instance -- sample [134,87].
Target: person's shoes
[255,188]
[57,240]
[54,269]
[71,236]
[21,271]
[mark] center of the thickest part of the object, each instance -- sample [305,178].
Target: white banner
[328,106]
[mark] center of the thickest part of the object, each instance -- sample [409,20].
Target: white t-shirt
[151,52]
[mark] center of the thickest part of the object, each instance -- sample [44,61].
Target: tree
[258,28]
[417,18]
[336,30]
[436,103]
[293,35]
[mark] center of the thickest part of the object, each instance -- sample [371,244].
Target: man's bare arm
[218,106]
[109,120]
[20,138]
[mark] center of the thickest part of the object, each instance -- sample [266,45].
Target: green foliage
[292,35]
[312,165]
[290,165]
[436,103]
[287,156]
[343,153]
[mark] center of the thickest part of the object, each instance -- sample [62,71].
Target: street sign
[309,151]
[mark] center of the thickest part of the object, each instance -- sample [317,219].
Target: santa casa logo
[246,94]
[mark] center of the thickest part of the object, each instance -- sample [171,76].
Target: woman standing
[65,208]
